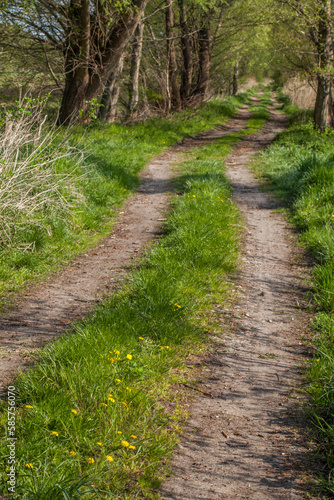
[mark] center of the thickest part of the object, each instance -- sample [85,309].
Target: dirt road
[243,442]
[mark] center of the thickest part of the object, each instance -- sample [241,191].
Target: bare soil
[46,311]
[243,439]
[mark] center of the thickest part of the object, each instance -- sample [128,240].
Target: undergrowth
[299,166]
[98,415]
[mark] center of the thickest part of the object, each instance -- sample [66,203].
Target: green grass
[260,113]
[299,167]
[113,378]
[114,155]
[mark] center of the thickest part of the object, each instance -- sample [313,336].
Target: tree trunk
[134,69]
[204,64]
[173,84]
[187,69]
[235,83]
[76,59]
[99,64]
[108,110]
[323,110]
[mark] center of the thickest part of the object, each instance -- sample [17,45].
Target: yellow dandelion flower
[55,433]
[30,466]
[141,338]
[100,444]
[167,347]
[124,403]
[117,352]
[125,444]
[128,389]
[132,447]
[119,432]
[104,404]
[194,196]
[161,348]
[118,359]
[111,400]
[74,411]
[29,406]
[112,360]
[72,453]
[90,460]
[129,356]
[109,458]
[133,436]
[117,380]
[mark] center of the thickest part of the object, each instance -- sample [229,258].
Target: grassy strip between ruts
[300,168]
[102,178]
[91,416]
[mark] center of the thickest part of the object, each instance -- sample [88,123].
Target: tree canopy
[145,56]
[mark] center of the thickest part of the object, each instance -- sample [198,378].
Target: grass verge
[299,168]
[102,166]
[97,416]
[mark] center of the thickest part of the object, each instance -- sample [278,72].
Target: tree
[91,34]
[311,21]
[136,54]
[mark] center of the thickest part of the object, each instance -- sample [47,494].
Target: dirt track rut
[243,441]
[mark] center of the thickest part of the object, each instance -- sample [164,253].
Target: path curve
[48,310]
[242,442]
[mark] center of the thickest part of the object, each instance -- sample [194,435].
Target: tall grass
[32,190]
[300,169]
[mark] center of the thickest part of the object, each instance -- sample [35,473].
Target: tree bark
[134,69]
[235,83]
[187,69]
[76,59]
[204,64]
[323,110]
[109,100]
[94,60]
[173,84]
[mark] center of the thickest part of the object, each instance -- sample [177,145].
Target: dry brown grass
[31,182]
[300,92]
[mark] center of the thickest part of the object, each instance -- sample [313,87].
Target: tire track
[242,443]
